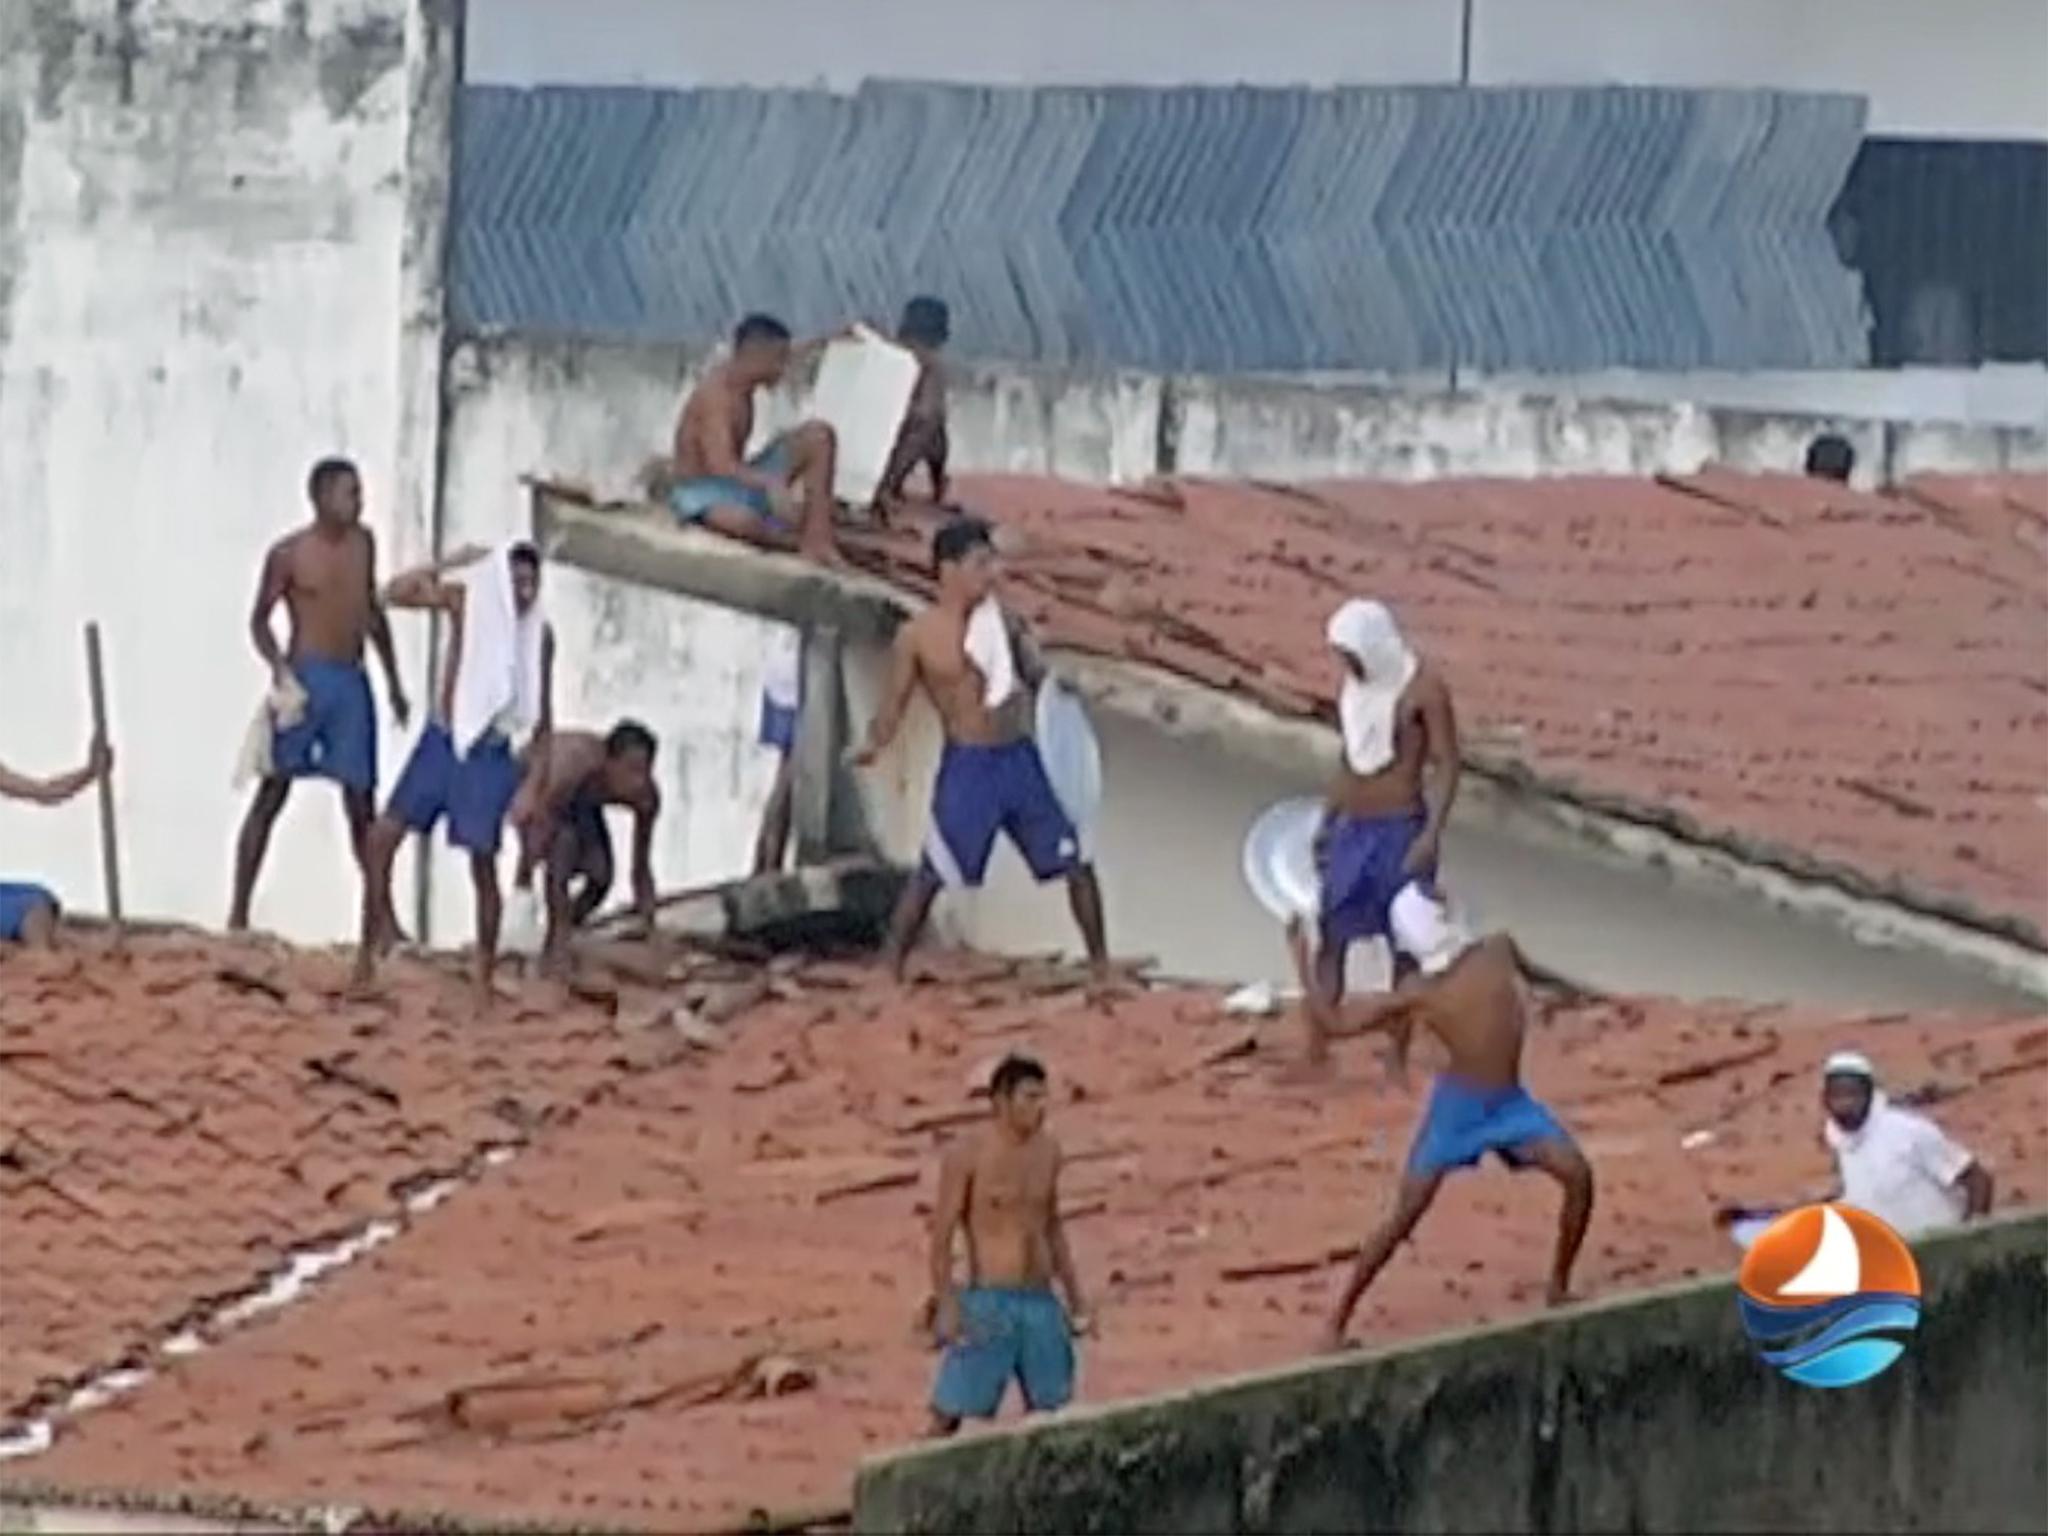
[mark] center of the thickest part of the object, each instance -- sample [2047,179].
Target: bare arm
[1024,650]
[424,589]
[271,584]
[1440,724]
[895,699]
[948,1211]
[643,854]
[1977,1191]
[1062,1254]
[51,791]
[380,636]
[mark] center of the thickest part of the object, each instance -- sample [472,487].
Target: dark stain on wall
[354,58]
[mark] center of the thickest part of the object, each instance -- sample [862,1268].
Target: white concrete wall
[1963,68]
[200,232]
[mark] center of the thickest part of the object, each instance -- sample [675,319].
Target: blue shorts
[1463,1123]
[985,790]
[778,723]
[473,792]
[17,901]
[1359,864]
[337,737]
[692,500]
[1005,1334]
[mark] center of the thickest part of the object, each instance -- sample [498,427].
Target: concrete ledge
[1645,1414]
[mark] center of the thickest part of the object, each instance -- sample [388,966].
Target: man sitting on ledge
[781,498]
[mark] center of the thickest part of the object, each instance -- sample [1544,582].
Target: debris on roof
[1847,686]
[690,1296]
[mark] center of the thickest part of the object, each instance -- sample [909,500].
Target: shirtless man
[559,812]
[462,770]
[990,776]
[1384,815]
[925,328]
[28,912]
[1470,996]
[326,576]
[755,499]
[1002,1185]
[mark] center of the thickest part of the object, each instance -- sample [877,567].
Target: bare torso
[574,760]
[716,423]
[1398,786]
[1010,1192]
[938,638]
[327,591]
[1476,1009]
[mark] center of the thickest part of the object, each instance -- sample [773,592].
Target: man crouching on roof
[1385,810]
[970,658]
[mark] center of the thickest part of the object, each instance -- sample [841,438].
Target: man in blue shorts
[1387,806]
[781,702]
[781,498]
[979,667]
[326,576]
[1002,1186]
[496,687]
[1470,996]
[28,913]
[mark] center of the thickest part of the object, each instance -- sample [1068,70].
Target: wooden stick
[110,855]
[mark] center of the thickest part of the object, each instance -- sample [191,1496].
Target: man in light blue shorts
[28,912]
[1469,994]
[781,498]
[1006,1325]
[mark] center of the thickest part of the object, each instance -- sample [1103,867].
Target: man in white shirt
[1893,1163]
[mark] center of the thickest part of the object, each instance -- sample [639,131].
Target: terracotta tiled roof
[1844,685]
[175,1119]
[570,1338]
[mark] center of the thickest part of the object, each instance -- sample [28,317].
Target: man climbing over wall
[781,498]
[28,913]
[497,687]
[1385,810]
[323,722]
[570,781]
[1470,996]
[1002,1185]
[781,703]
[979,667]
[925,328]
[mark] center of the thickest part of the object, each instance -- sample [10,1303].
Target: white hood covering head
[1427,931]
[498,672]
[1367,707]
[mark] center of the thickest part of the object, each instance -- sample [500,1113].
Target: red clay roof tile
[1850,686]
[570,1337]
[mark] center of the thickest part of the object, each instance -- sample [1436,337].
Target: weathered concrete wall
[202,273]
[1649,1414]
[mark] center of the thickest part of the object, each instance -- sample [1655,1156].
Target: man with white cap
[1893,1163]
[1385,811]
[1469,994]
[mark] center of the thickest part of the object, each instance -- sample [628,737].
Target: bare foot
[1558,1294]
[825,552]
[1331,1340]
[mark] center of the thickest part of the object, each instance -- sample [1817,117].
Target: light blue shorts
[1463,1123]
[1006,1334]
[692,500]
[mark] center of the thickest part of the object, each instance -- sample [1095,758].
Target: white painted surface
[863,389]
[198,298]
[1962,68]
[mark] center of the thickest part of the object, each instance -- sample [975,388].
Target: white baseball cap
[1849,1064]
[1425,929]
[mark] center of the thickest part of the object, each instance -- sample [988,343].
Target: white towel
[497,682]
[1366,707]
[782,668]
[282,708]
[988,647]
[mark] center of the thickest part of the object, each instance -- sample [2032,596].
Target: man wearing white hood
[1893,1163]
[1385,810]
[1469,993]
[496,687]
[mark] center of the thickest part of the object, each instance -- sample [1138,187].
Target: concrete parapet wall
[1648,1414]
